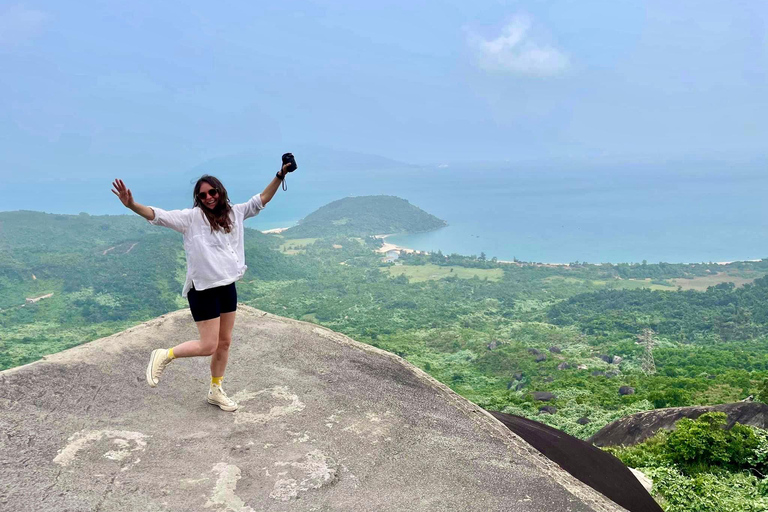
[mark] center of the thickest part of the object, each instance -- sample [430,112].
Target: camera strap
[282,179]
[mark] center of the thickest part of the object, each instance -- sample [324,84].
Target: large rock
[589,464]
[626,390]
[543,396]
[325,423]
[638,427]
[646,482]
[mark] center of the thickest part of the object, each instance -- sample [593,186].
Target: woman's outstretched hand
[123,193]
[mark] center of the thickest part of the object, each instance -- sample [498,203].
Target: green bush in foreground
[708,492]
[702,467]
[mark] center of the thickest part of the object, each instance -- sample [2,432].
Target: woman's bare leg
[206,345]
[221,355]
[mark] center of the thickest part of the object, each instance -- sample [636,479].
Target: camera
[288,159]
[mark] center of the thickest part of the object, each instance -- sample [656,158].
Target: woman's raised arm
[125,196]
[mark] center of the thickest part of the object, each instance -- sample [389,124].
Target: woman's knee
[224,344]
[209,347]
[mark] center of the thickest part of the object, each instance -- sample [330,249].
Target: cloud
[19,24]
[515,51]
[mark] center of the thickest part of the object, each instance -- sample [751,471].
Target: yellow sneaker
[217,396]
[157,363]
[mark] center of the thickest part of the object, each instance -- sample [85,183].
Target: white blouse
[213,259]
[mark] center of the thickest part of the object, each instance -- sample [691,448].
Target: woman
[213,243]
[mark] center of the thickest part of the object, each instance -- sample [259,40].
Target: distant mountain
[309,158]
[365,215]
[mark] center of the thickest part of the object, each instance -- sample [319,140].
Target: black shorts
[211,303]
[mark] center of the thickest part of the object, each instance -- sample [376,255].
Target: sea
[682,211]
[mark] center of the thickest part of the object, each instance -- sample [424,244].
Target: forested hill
[365,215]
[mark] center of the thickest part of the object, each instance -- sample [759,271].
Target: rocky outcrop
[325,423]
[638,427]
[646,482]
[593,466]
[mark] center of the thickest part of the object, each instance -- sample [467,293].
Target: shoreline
[387,247]
[273,231]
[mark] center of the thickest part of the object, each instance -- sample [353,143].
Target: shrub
[696,444]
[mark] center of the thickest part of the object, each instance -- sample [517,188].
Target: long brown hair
[218,218]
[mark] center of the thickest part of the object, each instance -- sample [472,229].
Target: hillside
[498,334]
[95,275]
[325,423]
[365,216]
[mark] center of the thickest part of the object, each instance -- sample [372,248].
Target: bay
[558,213]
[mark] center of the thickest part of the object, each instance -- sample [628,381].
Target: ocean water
[673,212]
[602,217]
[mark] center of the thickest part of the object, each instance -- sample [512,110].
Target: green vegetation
[494,332]
[701,466]
[98,272]
[365,216]
[296,245]
[417,273]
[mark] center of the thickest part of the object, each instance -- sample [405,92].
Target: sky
[90,87]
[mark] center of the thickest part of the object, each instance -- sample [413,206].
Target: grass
[700,283]
[296,245]
[634,284]
[430,272]
[703,282]
[615,284]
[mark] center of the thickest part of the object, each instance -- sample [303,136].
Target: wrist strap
[281,178]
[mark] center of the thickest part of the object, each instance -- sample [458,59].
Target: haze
[92,87]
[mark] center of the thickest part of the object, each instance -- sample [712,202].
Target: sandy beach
[387,247]
[392,247]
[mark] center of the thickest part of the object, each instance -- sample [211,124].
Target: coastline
[274,231]
[387,247]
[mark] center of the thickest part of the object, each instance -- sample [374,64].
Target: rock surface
[325,424]
[646,482]
[638,427]
[593,466]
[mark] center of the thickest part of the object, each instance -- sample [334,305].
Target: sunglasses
[202,195]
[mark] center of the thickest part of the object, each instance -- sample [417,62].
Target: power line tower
[646,339]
